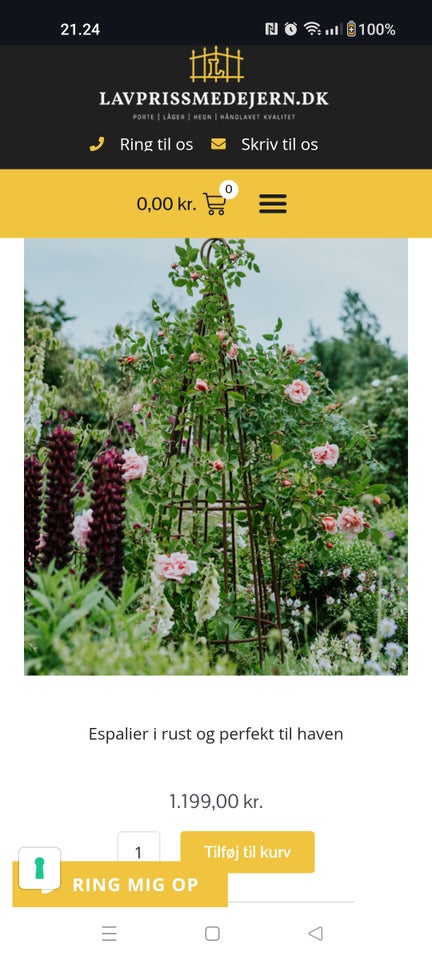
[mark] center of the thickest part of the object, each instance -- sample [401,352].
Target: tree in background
[371,382]
[358,357]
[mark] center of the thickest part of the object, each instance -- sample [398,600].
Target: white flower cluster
[209,595]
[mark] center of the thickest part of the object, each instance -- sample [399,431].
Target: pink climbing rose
[135,466]
[232,352]
[297,391]
[350,521]
[174,566]
[329,524]
[327,454]
[202,385]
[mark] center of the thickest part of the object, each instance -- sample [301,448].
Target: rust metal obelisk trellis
[194,434]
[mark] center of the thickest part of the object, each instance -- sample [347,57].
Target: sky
[109,281]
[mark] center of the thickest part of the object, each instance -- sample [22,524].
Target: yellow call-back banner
[171,203]
[198,879]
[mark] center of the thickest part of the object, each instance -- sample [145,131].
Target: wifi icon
[312,27]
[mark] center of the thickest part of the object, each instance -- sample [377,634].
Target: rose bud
[161,333]
[174,266]
[377,501]
[194,357]
[329,544]
[286,482]
[319,373]
[194,275]
[218,465]
[130,359]
[202,385]
[301,566]
[319,492]
[331,407]
[137,407]
[366,524]
[233,256]
[301,360]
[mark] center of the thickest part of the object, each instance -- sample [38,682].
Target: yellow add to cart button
[250,851]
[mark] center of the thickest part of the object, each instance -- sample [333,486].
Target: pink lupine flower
[328,454]
[135,466]
[350,521]
[81,528]
[297,391]
[174,566]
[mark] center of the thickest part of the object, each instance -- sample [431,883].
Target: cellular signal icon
[312,27]
[335,31]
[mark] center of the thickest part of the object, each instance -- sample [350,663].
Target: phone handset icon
[98,145]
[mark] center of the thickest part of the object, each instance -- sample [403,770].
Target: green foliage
[49,317]
[383,403]
[79,629]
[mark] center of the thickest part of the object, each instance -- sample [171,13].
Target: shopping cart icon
[215,203]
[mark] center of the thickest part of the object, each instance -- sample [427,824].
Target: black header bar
[245,107]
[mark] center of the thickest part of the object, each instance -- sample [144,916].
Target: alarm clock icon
[290,29]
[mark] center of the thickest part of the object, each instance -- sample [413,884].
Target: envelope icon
[218,143]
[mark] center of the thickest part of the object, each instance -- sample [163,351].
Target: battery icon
[351,28]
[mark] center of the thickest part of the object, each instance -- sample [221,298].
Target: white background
[367,799]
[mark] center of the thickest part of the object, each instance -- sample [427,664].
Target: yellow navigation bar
[178,203]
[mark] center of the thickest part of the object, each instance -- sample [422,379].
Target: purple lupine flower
[32,511]
[105,543]
[60,492]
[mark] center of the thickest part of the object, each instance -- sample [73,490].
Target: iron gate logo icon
[216,65]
